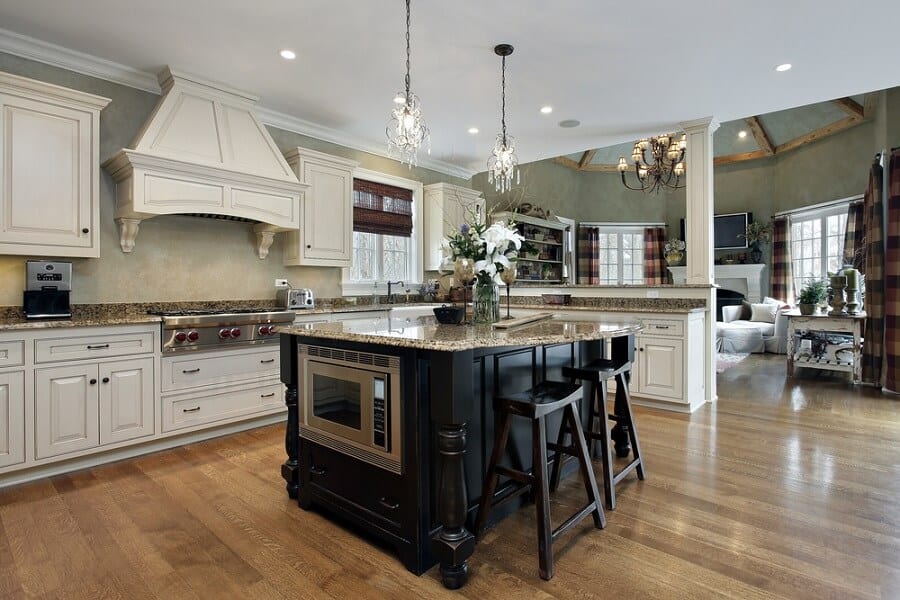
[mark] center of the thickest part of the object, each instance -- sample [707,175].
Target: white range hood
[204,152]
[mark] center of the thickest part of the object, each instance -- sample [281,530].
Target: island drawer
[12,354]
[93,346]
[184,372]
[180,412]
[662,327]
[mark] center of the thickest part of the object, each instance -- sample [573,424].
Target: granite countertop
[20,323]
[426,333]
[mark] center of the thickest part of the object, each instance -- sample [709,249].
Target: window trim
[416,256]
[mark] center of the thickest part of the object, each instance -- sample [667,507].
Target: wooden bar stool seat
[596,374]
[536,404]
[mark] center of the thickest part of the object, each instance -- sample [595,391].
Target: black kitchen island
[390,423]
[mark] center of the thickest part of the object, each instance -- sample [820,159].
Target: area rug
[726,360]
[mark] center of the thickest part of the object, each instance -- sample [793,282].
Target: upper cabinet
[447,207]
[49,169]
[325,238]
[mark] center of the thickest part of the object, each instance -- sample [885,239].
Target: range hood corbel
[204,152]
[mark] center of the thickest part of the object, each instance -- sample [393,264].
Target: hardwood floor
[784,489]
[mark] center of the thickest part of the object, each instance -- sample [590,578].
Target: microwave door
[339,402]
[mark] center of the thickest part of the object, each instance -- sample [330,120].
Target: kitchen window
[817,243]
[387,225]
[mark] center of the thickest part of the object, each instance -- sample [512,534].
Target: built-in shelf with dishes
[544,253]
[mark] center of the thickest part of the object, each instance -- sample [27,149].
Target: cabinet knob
[106,380]
[93,382]
[309,245]
[641,349]
[85,230]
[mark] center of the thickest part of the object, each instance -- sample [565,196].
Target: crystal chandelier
[503,163]
[406,130]
[667,168]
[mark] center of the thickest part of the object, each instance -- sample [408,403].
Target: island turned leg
[622,348]
[453,544]
[290,470]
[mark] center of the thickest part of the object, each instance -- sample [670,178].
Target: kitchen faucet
[390,293]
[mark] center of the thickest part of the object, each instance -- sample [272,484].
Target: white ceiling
[623,70]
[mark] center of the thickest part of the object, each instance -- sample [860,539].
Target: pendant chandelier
[503,164]
[406,130]
[667,168]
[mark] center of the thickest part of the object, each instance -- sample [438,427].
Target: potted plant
[811,295]
[757,235]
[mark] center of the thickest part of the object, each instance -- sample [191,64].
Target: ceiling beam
[760,135]
[736,158]
[595,168]
[566,162]
[869,105]
[822,132]
[850,106]
[586,158]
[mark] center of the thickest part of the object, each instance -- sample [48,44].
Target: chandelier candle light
[665,171]
[406,131]
[503,164]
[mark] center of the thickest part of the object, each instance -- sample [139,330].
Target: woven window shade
[380,208]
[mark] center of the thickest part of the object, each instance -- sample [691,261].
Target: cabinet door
[660,371]
[47,179]
[126,400]
[66,407]
[12,418]
[327,234]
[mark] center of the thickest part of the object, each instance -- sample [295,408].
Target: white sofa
[738,333]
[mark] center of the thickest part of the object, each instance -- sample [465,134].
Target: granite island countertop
[425,333]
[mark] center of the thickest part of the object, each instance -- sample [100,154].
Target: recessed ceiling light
[742,134]
[568,123]
[546,110]
[783,67]
[473,130]
[288,54]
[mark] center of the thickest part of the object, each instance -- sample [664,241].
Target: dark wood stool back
[536,404]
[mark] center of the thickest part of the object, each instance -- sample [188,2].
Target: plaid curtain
[655,271]
[874,270]
[782,281]
[855,237]
[892,280]
[588,252]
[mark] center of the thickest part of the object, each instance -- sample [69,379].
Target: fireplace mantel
[746,279]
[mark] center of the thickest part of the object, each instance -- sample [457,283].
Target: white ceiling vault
[623,73]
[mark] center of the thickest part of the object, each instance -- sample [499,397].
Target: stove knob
[224,334]
[265,330]
[236,332]
[193,335]
[180,337]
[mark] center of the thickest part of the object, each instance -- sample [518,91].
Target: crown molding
[86,64]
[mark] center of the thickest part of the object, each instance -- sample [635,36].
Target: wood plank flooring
[786,488]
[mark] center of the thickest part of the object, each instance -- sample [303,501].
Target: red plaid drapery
[654,263]
[782,278]
[892,280]
[874,270]
[855,237]
[588,251]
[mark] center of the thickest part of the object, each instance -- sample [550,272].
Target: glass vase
[486,303]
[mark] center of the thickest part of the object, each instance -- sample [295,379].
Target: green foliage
[813,292]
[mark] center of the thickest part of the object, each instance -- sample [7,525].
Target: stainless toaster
[292,298]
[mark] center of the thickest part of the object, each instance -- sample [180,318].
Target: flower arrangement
[429,288]
[674,245]
[492,248]
[758,233]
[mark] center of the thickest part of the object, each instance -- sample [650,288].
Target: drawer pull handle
[98,347]
[267,395]
[317,470]
[389,504]
[661,326]
[195,409]
[189,371]
[265,362]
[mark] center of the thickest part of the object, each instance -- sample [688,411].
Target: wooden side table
[844,324]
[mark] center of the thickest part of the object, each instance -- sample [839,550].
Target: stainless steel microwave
[350,402]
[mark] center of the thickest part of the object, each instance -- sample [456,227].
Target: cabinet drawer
[185,372]
[662,327]
[181,412]
[94,346]
[12,354]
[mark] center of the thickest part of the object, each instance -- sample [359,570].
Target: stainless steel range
[194,330]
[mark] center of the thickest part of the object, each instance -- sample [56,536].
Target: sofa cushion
[763,313]
[765,329]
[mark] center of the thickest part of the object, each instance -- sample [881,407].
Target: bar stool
[596,374]
[535,404]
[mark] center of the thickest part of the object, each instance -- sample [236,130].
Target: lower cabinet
[12,418]
[126,400]
[660,367]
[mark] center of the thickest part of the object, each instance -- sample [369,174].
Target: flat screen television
[728,230]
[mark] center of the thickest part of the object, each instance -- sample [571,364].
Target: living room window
[817,243]
[621,255]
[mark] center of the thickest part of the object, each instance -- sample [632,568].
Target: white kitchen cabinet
[325,238]
[126,400]
[49,169]
[660,367]
[66,410]
[12,418]
[447,207]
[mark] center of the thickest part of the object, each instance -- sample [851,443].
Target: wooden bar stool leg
[542,498]
[584,463]
[609,488]
[487,494]
[632,430]
[558,457]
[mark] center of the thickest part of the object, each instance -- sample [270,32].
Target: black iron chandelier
[666,169]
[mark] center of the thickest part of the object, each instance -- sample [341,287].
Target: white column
[699,232]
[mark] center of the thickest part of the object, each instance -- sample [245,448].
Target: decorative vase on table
[755,253]
[674,257]
[485,301]
[807,309]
